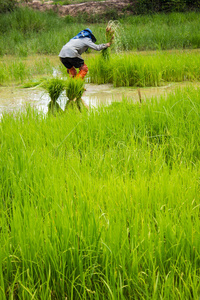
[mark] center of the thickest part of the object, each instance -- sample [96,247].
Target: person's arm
[92,45]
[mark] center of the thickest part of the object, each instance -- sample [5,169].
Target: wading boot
[82,71]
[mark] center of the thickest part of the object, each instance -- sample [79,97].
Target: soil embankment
[100,7]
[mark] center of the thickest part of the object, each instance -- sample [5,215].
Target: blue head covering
[85,33]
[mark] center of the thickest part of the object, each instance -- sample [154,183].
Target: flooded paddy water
[14,98]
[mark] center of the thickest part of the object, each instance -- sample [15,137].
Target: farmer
[70,54]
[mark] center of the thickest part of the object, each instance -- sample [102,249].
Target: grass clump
[74,89]
[126,69]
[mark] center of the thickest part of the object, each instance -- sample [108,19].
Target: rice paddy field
[101,203]
[122,69]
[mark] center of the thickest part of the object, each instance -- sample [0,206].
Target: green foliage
[54,108]
[102,205]
[152,69]
[26,32]
[110,35]
[7,5]
[54,87]
[27,21]
[133,69]
[155,6]
[23,69]
[74,88]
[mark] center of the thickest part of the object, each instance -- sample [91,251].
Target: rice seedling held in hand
[74,90]
[110,34]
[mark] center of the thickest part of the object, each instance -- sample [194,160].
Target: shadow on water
[13,98]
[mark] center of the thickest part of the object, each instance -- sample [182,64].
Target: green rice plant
[18,71]
[110,35]
[54,88]
[54,108]
[33,83]
[15,70]
[74,90]
[19,32]
[122,69]
[100,71]
[102,205]
[148,69]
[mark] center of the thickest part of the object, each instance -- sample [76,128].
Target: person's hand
[108,44]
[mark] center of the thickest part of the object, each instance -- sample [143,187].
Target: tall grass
[102,205]
[124,69]
[26,32]
[154,69]
[19,70]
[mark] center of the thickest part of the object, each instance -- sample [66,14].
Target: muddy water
[13,98]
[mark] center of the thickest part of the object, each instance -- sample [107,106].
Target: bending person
[70,54]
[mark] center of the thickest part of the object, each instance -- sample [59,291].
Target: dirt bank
[81,8]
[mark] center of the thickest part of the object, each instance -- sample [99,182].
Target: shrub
[7,5]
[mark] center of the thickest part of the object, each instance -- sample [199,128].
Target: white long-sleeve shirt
[75,47]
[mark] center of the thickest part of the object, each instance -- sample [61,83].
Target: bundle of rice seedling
[54,87]
[111,33]
[74,90]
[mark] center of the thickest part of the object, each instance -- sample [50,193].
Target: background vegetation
[7,5]
[25,32]
[154,6]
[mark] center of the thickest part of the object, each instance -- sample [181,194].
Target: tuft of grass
[54,108]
